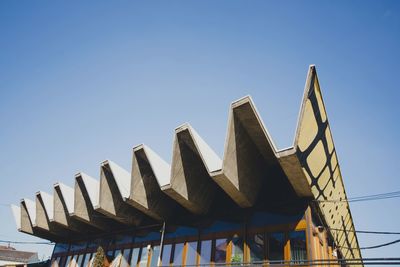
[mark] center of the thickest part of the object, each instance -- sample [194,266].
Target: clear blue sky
[84,81]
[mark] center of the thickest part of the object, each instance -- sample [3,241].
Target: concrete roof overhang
[253,173]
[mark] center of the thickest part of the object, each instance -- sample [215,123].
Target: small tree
[99,258]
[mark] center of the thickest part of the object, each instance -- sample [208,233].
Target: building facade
[256,205]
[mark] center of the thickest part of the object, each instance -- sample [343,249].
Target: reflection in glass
[191,253]
[135,257]
[125,258]
[276,246]
[298,252]
[166,255]
[155,253]
[91,262]
[80,259]
[68,261]
[62,261]
[220,250]
[256,244]
[144,257]
[86,261]
[205,251]
[178,253]
[237,250]
[73,261]
[117,258]
[55,262]
[110,255]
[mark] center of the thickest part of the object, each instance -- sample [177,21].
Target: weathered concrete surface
[28,221]
[149,174]
[16,211]
[192,161]
[253,173]
[115,184]
[45,215]
[86,200]
[64,210]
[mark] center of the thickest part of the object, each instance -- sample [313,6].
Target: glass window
[62,261]
[110,255]
[166,255]
[68,261]
[91,260]
[220,250]
[73,261]
[237,250]
[256,244]
[178,254]
[117,258]
[144,257]
[191,254]
[155,253]
[125,258]
[80,259]
[55,262]
[135,257]
[205,251]
[298,252]
[86,261]
[276,246]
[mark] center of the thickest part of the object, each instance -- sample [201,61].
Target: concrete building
[257,204]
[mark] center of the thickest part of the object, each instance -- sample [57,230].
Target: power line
[26,242]
[387,195]
[366,232]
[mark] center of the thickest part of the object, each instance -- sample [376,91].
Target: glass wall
[298,251]
[233,246]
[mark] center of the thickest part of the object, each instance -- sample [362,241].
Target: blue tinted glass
[191,254]
[237,250]
[205,251]
[178,254]
[135,256]
[298,251]
[144,257]
[276,247]
[125,258]
[220,250]
[256,244]
[166,255]
[155,253]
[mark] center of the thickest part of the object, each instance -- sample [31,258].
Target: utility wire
[387,195]
[26,242]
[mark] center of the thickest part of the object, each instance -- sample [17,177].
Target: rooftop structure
[255,189]
[9,256]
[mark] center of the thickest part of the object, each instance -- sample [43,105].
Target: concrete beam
[115,184]
[64,210]
[45,215]
[28,221]
[192,163]
[16,211]
[149,174]
[86,201]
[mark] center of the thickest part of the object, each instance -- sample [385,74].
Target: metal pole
[161,244]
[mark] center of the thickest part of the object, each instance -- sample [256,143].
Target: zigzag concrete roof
[156,191]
